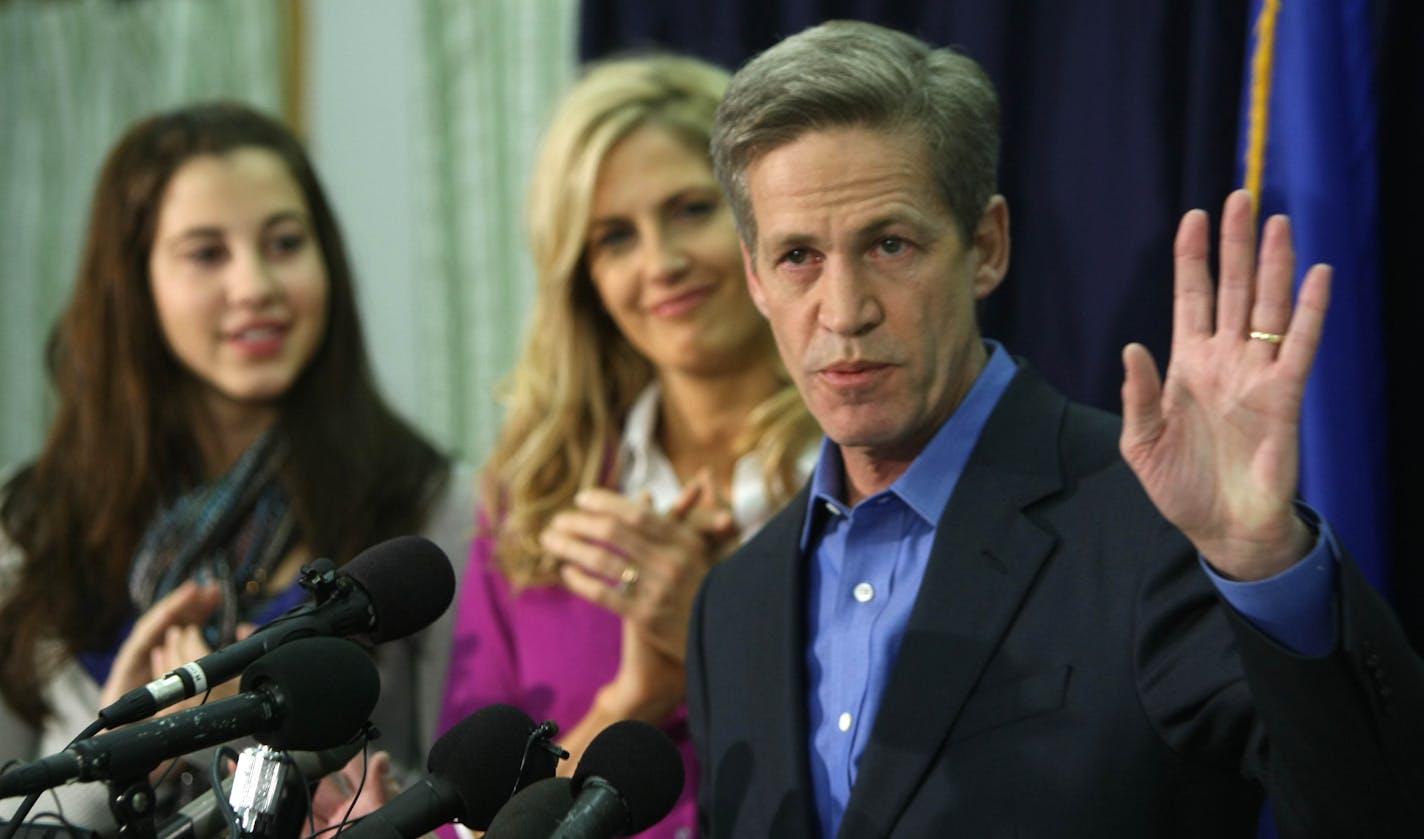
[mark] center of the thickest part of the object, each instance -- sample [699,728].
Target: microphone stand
[133,803]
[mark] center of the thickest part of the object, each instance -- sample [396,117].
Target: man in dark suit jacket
[992,612]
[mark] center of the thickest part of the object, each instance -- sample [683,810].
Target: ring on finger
[627,580]
[1268,337]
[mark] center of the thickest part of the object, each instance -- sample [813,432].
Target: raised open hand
[1217,444]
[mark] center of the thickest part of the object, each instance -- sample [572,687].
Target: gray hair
[848,73]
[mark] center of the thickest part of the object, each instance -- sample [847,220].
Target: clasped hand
[623,555]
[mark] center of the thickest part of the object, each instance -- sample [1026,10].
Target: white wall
[363,108]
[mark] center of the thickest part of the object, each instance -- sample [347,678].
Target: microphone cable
[215,777]
[542,736]
[28,804]
[355,796]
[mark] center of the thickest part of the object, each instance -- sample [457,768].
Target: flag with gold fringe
[1309,150]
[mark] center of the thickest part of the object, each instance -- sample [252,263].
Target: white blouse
[646,468]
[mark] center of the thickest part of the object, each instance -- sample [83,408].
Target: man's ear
[754,287]
[991,247]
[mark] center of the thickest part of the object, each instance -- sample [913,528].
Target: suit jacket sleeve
[1346,731]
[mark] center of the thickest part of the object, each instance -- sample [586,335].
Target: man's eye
[799,256]
[891,245]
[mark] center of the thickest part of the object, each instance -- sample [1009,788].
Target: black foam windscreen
[410,583]
[326,688]
[482,756]
[642,763]
[535,812]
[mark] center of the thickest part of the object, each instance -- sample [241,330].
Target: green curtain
[492,71]
[73,75]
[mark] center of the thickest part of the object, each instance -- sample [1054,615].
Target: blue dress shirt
[867,563]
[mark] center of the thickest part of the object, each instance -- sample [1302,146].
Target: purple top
[547,652]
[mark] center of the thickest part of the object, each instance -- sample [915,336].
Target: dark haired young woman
[217,425]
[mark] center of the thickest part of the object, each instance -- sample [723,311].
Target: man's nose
[848,303]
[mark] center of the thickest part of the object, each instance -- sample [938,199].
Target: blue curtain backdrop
[1118,116]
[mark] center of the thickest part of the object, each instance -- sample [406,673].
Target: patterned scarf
[235,530]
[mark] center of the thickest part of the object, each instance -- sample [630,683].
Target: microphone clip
[133,803]
[542,736]
[320,578]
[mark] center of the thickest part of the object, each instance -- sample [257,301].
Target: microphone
[202,818]
[313,693]
[257,789]
[474,768]
[535,812]
[385,592]
[628,779]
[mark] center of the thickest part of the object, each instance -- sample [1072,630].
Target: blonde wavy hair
[577,376]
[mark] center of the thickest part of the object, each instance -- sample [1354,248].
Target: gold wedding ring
[627,580]
[1268,337]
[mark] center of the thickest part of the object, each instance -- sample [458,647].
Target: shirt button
[864,592]
[844,722]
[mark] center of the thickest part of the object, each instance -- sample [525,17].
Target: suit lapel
[777,629]
[986,554]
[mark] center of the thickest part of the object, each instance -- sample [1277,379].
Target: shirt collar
[638,429]
[926,486]
[644,467]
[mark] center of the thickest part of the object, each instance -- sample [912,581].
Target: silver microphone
[257,788]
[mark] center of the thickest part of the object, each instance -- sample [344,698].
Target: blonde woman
[650,425]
